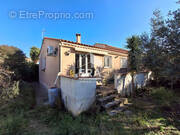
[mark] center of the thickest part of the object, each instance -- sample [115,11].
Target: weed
[13,125]
[19,117]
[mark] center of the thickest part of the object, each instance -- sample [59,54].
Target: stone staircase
[110,101]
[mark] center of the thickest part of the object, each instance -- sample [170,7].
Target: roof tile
[100,46]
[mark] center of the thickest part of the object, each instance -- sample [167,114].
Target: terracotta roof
[106,47]
[111,48]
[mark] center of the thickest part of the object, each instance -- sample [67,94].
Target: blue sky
[113,20]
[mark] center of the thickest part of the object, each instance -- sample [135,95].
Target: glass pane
[77,63]
[83,63]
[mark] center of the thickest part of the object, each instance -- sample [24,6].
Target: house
[77,59]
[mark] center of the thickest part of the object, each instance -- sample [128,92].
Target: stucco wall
[48,76]
[68,61]
[54,65]
[108,72]
[123,82]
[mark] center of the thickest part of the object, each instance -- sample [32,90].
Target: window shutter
[124,63]
[105,61]
[92,60]
[43,64]
[110,61]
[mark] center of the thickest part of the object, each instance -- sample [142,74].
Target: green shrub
[13,113]
[13,125]
[9,92]
[24,100]
[33,72]
[163,96]
[16,62]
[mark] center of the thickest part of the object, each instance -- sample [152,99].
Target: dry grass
[147,118]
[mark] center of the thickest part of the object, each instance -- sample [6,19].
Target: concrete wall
[48,76]
[123,82]
[78,94]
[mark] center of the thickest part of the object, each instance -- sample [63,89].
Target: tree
[172,69]
[161,50]
[13,60]
[134,56]
[16,62]
[34,54]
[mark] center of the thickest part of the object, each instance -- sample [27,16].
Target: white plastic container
[52,95]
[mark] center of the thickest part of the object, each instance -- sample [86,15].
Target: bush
[33,72]
[13,125]
[9,93]
[24,100]
[163,96]
[13,112]
[16,63]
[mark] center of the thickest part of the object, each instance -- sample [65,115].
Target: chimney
[78,38]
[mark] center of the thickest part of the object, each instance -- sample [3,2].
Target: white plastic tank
[52,95]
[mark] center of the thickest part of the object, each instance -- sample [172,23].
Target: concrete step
[111,104]
[105,99]
[123,101]
[104,93]
[117,101]
[128,104]
[116,110]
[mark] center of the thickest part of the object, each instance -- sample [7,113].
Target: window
[51,51]
[123,62]
[107,61]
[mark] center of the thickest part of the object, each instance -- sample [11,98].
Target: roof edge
[119,50]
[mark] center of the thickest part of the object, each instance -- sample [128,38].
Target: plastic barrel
[52,95]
